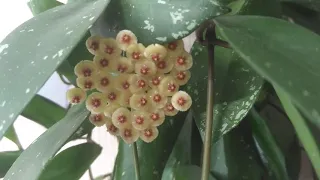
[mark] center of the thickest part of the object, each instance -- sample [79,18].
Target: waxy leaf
[43,42]
[156,20]
[236,89]
[47,145]
[7,158]
[71,163]
[287,55]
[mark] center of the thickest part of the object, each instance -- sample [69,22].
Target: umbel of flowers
[135,86]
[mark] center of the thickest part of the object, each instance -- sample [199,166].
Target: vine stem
[209,121]
[136,160]
[89,139]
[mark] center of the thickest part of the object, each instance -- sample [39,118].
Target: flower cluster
[136,86]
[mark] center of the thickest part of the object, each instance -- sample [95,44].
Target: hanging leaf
[269,148]
[181,152]
[43,111]
[236,89]
[7,158]
[39,6]
[36,41]
[71,163]
[157,21]
[47,145]
[281,59]
[12,135]
[152,156]
[234,156]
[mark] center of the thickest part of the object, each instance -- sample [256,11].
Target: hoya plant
[242,104]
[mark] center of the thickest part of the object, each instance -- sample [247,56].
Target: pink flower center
[139,120]
[172,46]
[181,75]
[181,60]
[88,84]
[141,83]
[104,62]
[154,116]
[148,133]
[144,70]
[136,55]
[112,96]
[109,50]
[112,128]
[97,118]
[126,38]
[76,99]
[104,81]
[127,133]
[122,68]
[171,87]
[94,45]
[162,65]
[122,119]
[156,81]
[87,72]
[96,103]
[155,57]
[125,85]
[181,101]
[143,101]
[170,107]
[157,98]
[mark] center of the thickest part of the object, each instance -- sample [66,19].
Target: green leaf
[181,152]
[12,135]
[47,40]
[79,53]
[7,158]
[156,21]
[303,132]
[187,172]
[256,7]
[270,150]
[85,128]
[152,156]
[311,4]
[39,6]
[267,44]
[234,156]
[43,111]
[71,163]
[236,89]
[47,145]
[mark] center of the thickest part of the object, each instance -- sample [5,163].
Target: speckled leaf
[71,163]
[7,158]
[156,20]
[153,156]
[236,85]
[288,57]
[78,53]
[311,4]
[47,145]
[43,42]
[234,156]
[39,6]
